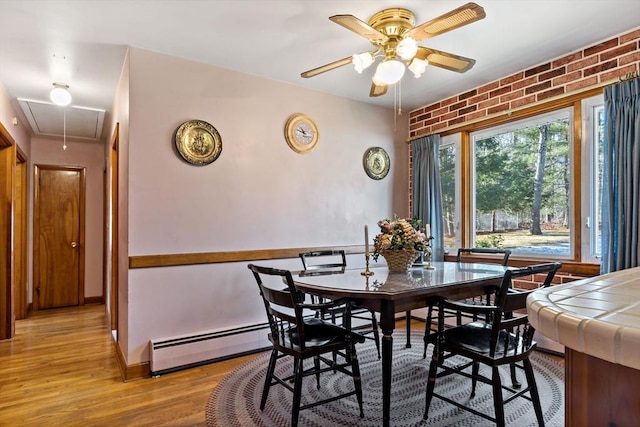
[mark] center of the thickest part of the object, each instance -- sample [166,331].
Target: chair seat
[475,337]
[319,333]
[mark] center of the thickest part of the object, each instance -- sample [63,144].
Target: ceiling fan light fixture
[418,66]
[60,95]
[389,72]
[362,61]
[407,48]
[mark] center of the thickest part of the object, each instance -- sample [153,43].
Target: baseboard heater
[187,351]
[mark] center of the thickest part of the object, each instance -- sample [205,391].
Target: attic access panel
[47,119]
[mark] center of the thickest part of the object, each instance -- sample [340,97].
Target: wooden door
[58,243]
[7,177]
[20,237]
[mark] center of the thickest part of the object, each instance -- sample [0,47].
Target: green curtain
[621,177]
[426,189]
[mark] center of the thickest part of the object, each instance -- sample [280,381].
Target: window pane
[522,186]
[596,197]
[448,183]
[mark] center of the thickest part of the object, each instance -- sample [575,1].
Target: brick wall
[569,74]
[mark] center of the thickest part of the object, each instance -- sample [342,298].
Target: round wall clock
[376,163]
[301,133]
[198,142]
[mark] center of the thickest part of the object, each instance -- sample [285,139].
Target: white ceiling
[83,43]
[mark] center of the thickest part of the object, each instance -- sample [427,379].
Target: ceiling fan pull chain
[64,129]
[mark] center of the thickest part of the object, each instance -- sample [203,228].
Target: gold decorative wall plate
[198,142]
[301,133]
[376,162]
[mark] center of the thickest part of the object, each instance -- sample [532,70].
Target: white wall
[259,194]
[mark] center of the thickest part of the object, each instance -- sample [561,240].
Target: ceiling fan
[395,38]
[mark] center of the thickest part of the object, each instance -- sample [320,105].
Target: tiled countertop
[598,316]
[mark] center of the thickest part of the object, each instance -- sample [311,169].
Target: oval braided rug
[236,399]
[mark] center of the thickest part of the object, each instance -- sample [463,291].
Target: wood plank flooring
[60,370]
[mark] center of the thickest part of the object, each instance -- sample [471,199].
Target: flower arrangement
[399,234]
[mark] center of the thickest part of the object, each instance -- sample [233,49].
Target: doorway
[58,236]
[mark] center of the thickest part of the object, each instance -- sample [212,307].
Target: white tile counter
[598,316]
[598,321]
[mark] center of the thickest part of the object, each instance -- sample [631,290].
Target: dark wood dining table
[390,293]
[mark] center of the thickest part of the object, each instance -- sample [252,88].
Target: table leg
[387,324]
[408,320]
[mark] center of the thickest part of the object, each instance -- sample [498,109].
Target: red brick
[601,47]
[511,79]
[432,121]
[582,64]
[467,110]
[511,96]
[581,84]
[498,108]
[634,35]
[523,101]
[455,121]
[526,82]
[468,94]
[629,47]
[432,107]
[550,93]
[567,59]
[628,59]
[440,112]
[449,101]
[617,73]
[501,91]
[457,106]
[448,116]
[479,98]
[567,78]
[488,87]
[424,116]
[553,73]
[476,115]
[600,68]
[538,87]
[489,103]
[416,126]
[537,70]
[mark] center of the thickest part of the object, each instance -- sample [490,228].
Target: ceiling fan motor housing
[394,23]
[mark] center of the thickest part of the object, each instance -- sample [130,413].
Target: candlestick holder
[429,254]
[366,271]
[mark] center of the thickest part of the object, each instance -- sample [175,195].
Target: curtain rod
[630,76]
[524,107]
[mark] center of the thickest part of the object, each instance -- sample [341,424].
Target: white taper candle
[366,241]
[427,230]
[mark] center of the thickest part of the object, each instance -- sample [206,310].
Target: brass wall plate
[376,162]
[198,142]
[301,133]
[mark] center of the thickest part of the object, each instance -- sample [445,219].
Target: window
[593,131]
[449,181]
[522,186]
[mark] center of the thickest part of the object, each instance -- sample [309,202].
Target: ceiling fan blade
[327,67]
[445,60]
[377,89]
[352,23]
[457,18]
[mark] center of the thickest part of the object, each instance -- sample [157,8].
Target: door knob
[74,244]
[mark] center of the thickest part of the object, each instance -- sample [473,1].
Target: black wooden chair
[503,337]
[336,259]
[466,255]
[292,333]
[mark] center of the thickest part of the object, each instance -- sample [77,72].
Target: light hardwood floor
[60,370]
